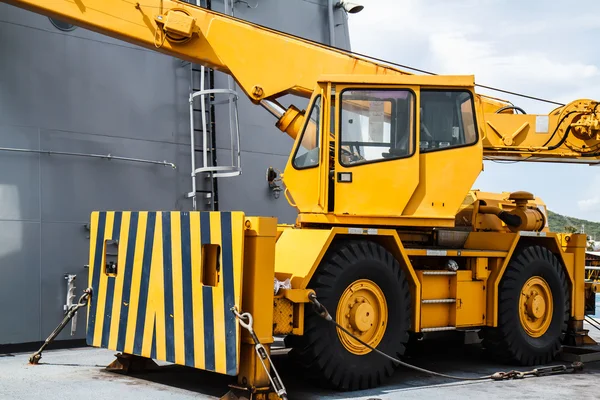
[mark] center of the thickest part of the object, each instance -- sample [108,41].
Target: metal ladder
[202,101]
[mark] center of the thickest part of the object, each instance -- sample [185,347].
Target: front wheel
[533,309]
[363,287]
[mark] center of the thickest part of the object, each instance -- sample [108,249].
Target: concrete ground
[79,373]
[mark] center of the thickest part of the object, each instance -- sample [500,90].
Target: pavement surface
[79,373]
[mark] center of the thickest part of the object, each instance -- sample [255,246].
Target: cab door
[377,157]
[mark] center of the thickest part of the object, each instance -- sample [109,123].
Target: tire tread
[313,354]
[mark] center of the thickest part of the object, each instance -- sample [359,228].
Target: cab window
[307,154]
[447,120]
[375,125]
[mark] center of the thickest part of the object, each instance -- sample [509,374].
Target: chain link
[82,302]
[550,370]
[542,371]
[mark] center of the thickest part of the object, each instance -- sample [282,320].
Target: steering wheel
[351,155]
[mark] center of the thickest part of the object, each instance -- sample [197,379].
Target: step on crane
[389,238]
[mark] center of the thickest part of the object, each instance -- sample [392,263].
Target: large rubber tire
[509,342]
[320,350]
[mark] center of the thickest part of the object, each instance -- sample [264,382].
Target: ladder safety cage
[209,167]
[218,170]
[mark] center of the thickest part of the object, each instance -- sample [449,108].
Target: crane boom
[265,63]
[268,64]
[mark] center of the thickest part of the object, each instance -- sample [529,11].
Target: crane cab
[383,150]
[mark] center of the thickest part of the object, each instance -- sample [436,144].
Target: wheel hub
[362,316]
[535,306]
[362,310]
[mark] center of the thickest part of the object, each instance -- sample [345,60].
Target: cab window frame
[313,104]
[473,110]
[412,129]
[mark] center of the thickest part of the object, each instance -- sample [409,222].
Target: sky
[546,49]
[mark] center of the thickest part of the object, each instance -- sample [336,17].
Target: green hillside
[562,223]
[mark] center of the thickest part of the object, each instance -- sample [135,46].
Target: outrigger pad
[164,284]
[127,364]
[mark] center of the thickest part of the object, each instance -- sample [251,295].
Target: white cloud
[458,54]
[528,47]
[482,37]
[587,205]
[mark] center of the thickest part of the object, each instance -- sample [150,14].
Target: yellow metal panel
[102,283]
[392,221]
[495,241]
[162,309]
[154,324]
[298,253]
[179,23]
[574,258]
[464,81]
[381,194]
[257,296]
[436,286]
[118,280]
[463,276]
[194,276]
[259,261]
[218,300]
[480,268]
[178,316]
[497,267]
[134,298]
[436,315]
[296,295]
[94,226]
[437,197]
[299,318]
[456,253]
[470,303]
[305,185]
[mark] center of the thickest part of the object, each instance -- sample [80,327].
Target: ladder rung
[439,273]
[437,301]
[439,329]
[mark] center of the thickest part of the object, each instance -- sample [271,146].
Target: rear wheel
[533,309]
[362,286]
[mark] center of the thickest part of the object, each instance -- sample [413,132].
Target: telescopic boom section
[268,64]
[264,62]
[569,134]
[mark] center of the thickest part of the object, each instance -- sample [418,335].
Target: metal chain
[82,302]
[261,352]
[550,370]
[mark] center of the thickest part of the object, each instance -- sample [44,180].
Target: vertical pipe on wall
[331,24]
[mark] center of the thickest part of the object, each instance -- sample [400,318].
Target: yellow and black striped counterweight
[163,285]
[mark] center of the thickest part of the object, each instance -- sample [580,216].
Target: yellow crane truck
[390,238]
